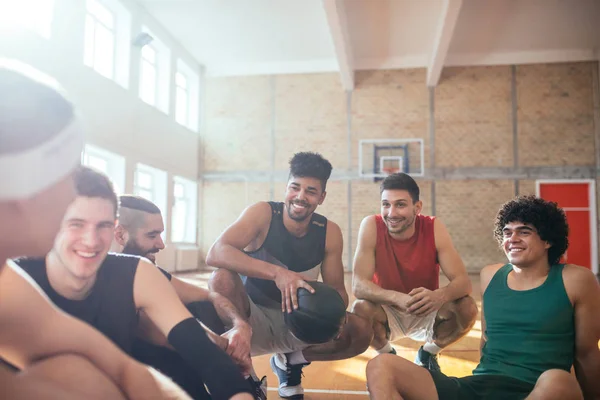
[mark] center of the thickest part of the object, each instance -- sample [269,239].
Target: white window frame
[193,95]
[163,71]
[121,34]
[92,23]
[190,198]
[115,165]
[158,188]
[145,64]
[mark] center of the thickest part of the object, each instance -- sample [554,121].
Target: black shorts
[480,387]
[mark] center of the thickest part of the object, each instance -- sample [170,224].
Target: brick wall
[248,118]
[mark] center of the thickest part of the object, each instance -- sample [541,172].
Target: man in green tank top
[539,319]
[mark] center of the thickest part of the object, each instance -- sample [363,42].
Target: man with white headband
[45,354]
[109,291]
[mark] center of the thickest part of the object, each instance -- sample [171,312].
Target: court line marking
[329,391]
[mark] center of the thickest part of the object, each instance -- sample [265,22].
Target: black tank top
[299,254]
[109,307]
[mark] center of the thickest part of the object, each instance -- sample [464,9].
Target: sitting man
[278,247]
[539,318]
[138,233]
[396,275]
[46,354]
[108,290]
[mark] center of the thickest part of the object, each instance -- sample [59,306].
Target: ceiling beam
[338,27]
[443,37]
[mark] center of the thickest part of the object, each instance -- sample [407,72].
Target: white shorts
[402,324]
[270,334]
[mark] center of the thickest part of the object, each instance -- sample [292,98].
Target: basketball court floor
[345,379]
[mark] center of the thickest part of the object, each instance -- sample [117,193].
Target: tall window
[182,99]
[107,162]
[35,15]
[99,52]
[148,75]
[151,184]
[187,95]
[144,185]
[184,216]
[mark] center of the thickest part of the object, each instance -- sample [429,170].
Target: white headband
[29,172]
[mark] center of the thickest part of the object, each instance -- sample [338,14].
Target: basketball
[319,315]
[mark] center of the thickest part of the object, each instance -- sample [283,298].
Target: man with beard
[108,291]
[278,247]
[396,275]
[539,321]
[138,232]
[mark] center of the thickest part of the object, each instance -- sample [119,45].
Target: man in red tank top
[396,275]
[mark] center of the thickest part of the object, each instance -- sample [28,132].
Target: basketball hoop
[389,171]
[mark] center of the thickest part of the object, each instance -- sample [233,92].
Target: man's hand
[239,338]
[288,283]
[400,301]
[423,301]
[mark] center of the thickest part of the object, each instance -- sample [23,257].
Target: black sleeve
[207,314]
[222,377]
[164,272]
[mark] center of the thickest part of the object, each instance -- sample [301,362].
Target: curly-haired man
[539,319]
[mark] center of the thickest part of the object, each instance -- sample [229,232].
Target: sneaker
[290,378]
[259,388]
[427,360]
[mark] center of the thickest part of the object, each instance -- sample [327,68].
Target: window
[99,52]
[35,15]
[151,184]
[107,41]
[185,213]
[182,99]
[107,162]
[155,70]
[187,90]
[148,75]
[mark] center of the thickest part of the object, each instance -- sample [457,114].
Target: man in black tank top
[277,248]
[138,233]
[44,353]
[108,291]
[539,320]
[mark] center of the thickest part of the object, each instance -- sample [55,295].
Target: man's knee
[557,384]
[224,282]
[363,308]
[466,311]
[361,331]
[72,374]
[380,366]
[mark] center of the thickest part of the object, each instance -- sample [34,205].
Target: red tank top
[403,265]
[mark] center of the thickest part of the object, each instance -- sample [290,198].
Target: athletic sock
[432,348]
[295,358]
[386,349]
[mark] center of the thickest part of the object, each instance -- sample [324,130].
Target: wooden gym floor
[345,379]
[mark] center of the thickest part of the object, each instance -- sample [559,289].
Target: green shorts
[480,387]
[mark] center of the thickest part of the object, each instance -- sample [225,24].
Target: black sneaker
[259,388]
[427,360]
[290,379]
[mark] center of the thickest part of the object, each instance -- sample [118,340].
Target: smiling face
[146,241]
[399,211]
[302,197]
[85,236]
[522,245]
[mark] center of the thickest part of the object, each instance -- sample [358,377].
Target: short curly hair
[546,217]
[310,165]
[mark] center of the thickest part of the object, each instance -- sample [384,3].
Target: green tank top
[528,332]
